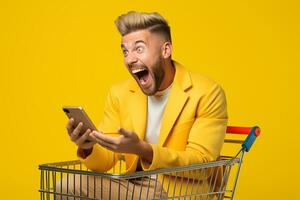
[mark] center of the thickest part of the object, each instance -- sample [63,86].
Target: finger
[75,133]
[70,125]
[105,138]
[106,145]
[82,139]
[125,132]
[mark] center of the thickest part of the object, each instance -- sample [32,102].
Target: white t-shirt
[155,110]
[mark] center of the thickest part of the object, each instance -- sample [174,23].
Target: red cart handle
[242,130]
[251,132]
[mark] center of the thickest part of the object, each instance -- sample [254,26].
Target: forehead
[143,36]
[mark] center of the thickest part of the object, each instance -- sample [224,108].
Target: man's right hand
[82,141]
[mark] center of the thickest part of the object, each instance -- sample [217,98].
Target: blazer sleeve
[206,137]
[102,159]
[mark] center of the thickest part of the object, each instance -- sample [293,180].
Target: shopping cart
[212,180]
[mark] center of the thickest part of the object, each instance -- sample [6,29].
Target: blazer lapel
[176,102]
[138,111]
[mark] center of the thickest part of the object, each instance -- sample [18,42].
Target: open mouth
[142,74]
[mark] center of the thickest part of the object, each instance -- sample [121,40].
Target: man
[167,115]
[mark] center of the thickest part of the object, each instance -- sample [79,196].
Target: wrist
[145,151]
[83,153]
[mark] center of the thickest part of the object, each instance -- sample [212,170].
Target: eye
[125,53]
[140,50]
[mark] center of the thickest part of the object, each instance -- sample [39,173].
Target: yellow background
[55,53]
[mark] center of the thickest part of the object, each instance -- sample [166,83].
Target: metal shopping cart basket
[212,180]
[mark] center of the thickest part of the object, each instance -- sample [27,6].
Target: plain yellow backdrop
[55,53]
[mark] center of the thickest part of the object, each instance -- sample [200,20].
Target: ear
[166,50]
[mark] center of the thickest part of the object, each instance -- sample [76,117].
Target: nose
[131,58]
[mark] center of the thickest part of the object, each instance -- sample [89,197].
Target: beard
[155,75]
[158,74]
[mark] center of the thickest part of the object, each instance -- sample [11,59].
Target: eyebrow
[135,43]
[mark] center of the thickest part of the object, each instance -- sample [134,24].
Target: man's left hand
[127,142]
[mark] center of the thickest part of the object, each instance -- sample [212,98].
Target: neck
[169,75]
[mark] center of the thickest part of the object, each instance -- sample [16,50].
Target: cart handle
[252,132]
[242,130]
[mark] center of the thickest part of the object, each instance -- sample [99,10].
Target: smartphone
[79,115]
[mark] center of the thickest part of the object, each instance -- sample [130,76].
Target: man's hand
[82,141]
[127,142]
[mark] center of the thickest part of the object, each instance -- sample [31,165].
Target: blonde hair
[134,21]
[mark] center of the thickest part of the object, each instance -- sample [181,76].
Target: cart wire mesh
[211,180]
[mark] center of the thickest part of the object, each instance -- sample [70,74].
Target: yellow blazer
[193,125]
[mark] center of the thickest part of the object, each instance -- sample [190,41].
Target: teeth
[137,70]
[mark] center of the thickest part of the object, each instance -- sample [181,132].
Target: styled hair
[134,21]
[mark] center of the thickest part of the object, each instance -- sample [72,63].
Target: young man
[166,115]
